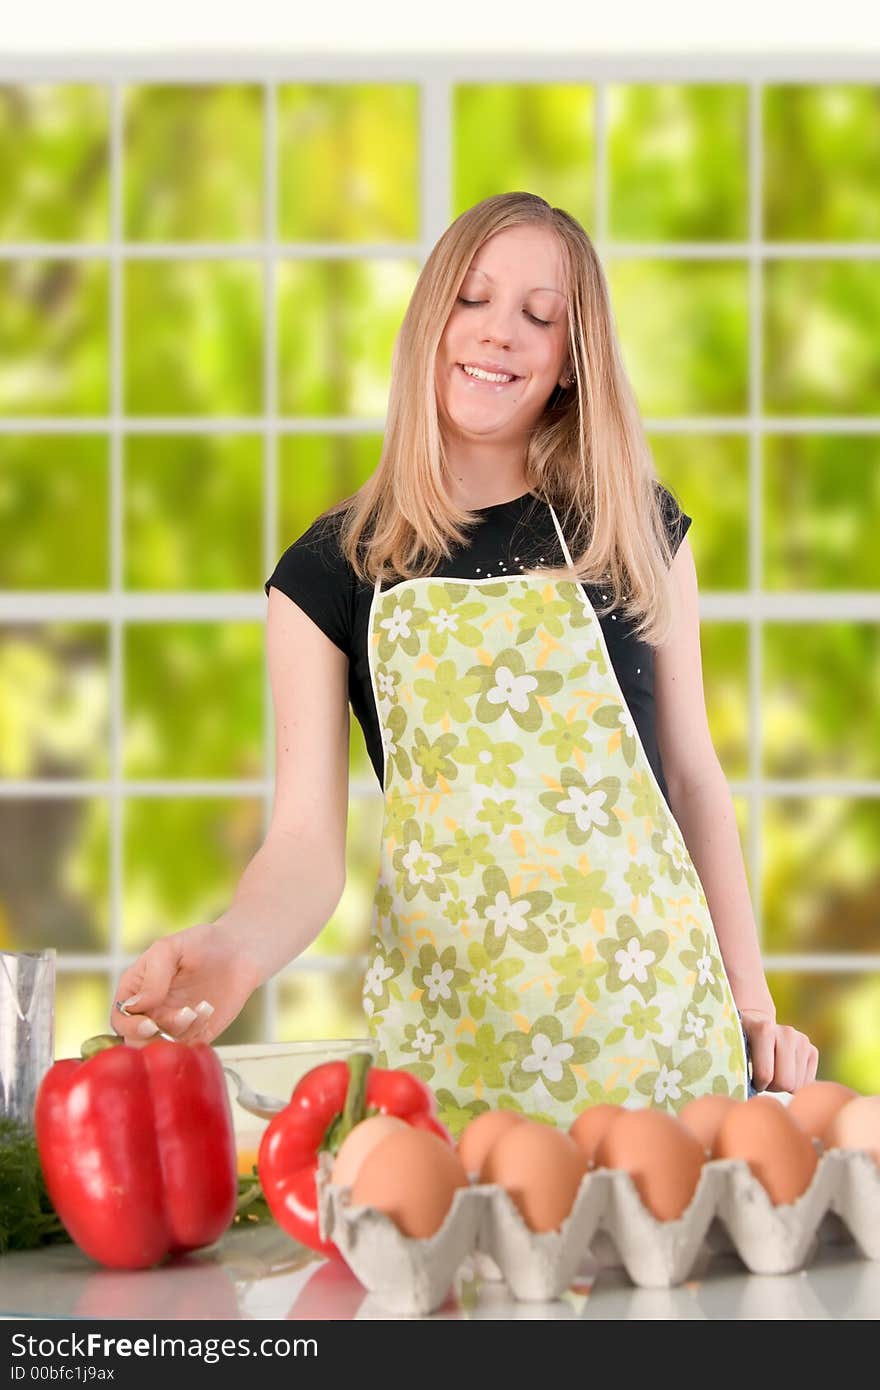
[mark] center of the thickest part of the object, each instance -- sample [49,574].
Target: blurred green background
[204,335]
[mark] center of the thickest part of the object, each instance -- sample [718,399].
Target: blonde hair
[587,454]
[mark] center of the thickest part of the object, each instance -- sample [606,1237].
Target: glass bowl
[273,1069]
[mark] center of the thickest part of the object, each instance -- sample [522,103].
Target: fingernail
[147,1028]
[204,1010]
[130,1003]
[185,1016]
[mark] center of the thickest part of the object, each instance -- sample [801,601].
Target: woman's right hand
[191,984]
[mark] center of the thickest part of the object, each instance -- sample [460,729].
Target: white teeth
[485,376]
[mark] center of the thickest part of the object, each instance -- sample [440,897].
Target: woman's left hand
[782,1058]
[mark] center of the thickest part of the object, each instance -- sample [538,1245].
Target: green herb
[252,1208]
[27,1217]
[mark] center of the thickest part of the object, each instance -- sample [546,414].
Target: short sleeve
[677,521]
[315,574]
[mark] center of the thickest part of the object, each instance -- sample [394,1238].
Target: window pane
[337,322]
[683,328]
[82,1009]
[710,476]
[820,874]
[348,930]
[193,507]
[820,710]
[193,512]
[55,157]
[820,337]
[183,858]
[321,1004]
[725,652]
[678,161]
[54,868]
[193,338]
[821,156]
[534,135]
[54,700]
[348,162]
[54,349]
[52,488]
[821,504]
[838,1013]
[314,472]
[194,699]
[193,162]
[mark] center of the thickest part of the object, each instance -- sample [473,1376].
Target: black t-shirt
[314,573]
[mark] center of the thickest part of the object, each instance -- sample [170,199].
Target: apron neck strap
[565,550]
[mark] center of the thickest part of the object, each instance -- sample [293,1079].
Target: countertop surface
[258,1273]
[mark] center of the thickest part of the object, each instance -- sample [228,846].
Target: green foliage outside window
[192,506]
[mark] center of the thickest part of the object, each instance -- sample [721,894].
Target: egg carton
[730,1211]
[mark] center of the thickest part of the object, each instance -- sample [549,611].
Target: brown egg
[663,1158]
[541,1167]
[482,1132]
[814,1106]
[360,1141]
[856,1125]
[590,1125]
[779,1153]
[411,1175]
[703,1117]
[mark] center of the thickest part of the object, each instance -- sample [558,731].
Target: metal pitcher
[27,1029]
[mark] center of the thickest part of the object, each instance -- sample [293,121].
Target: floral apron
[540,938]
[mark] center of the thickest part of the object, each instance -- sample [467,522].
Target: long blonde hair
[587,454]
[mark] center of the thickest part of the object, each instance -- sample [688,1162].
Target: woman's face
[517,321]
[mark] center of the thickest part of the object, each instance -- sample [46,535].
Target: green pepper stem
[248,1195]
[355,1097]
[100,1043]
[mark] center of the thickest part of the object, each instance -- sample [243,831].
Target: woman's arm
[783,1059]
[706,818]
[698,792]
[294,881]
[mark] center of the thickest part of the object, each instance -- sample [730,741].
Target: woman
[541,933]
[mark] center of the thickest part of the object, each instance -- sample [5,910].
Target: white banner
[453,26]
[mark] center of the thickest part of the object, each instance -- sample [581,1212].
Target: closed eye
[545,323]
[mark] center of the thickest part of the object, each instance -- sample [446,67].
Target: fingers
[183,1024]
[141,988]
[142,1010]
[785,1059]
[208,1023]
[806,1062]
[187,1023]
[158,967]
[812,1065]
[762,1043]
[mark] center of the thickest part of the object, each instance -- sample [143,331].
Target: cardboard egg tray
[730,1211]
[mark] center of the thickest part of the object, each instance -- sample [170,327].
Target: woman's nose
[499,323]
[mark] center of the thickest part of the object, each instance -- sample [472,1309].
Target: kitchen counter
[258,1273]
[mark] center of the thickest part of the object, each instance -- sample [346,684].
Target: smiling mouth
[479,383]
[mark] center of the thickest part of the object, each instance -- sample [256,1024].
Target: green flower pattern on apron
[540,938]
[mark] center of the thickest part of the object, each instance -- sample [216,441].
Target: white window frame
[436,79]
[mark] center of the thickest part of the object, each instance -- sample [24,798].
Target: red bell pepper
[138,1150]
[325,1105]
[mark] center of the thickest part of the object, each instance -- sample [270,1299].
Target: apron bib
[540,938]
